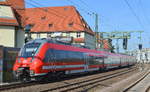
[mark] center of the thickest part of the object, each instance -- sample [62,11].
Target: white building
[142,56]
[10,34]
[66,21]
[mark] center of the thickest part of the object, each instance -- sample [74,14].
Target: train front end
[28,61]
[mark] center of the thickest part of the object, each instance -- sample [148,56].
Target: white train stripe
[63,66]
[75,71]
[83,70]
[92,69]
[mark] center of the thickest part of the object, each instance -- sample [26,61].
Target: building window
[49,35]
[78,34]
[38,35]
[46,10]
[43,18]
[68,34]
[70,24]
[65,9]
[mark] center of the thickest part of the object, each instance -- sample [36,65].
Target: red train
[46,57]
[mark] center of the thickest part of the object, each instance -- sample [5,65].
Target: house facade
[45,21]
[10,34]
[62,21]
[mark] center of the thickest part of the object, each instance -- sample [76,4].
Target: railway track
[129,88]
[92,82]
[16,85]
[148,89]
[85,85]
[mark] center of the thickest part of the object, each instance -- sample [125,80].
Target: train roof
[77,48]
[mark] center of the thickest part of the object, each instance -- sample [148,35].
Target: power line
[144,13]
[45,10]
[87,12]
[61,16]
[134,13]
[92,12]
[89,8]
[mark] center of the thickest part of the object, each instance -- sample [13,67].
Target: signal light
[140,46]
[125,42]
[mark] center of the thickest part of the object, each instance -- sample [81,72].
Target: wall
[4,14]
[7,59]
[89,39]
[7,36]
[20,38]
[45,35]
[143,55]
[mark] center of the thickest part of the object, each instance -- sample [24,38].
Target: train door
[53,60]
[86,59]
[120,62]
[50,60]
[102,62]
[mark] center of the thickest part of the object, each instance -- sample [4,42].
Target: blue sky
[113,15]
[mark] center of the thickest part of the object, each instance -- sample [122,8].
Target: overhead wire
[143,10]
[88,7]
[134,13]
[44,9]
[145,16]
[61,16]
[103,17]
[93,12]
[146,21]
[87,12]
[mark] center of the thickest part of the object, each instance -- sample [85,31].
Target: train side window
[94,60]
[70,56]
[60,55]
[49,56]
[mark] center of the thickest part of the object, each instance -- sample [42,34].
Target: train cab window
[29,50]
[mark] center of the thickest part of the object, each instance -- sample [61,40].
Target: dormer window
[70,24]
[68,34]
[26,18]
[50,25]
[43,18]
[65,9]
[45,10]
[78,34]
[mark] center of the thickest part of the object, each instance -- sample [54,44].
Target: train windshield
[29,50]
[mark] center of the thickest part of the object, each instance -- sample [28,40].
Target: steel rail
[136,82]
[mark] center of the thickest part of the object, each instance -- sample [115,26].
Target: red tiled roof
[54,19]
[13,4]
[17,4]
[106,44]
[4,3]
[8,22]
